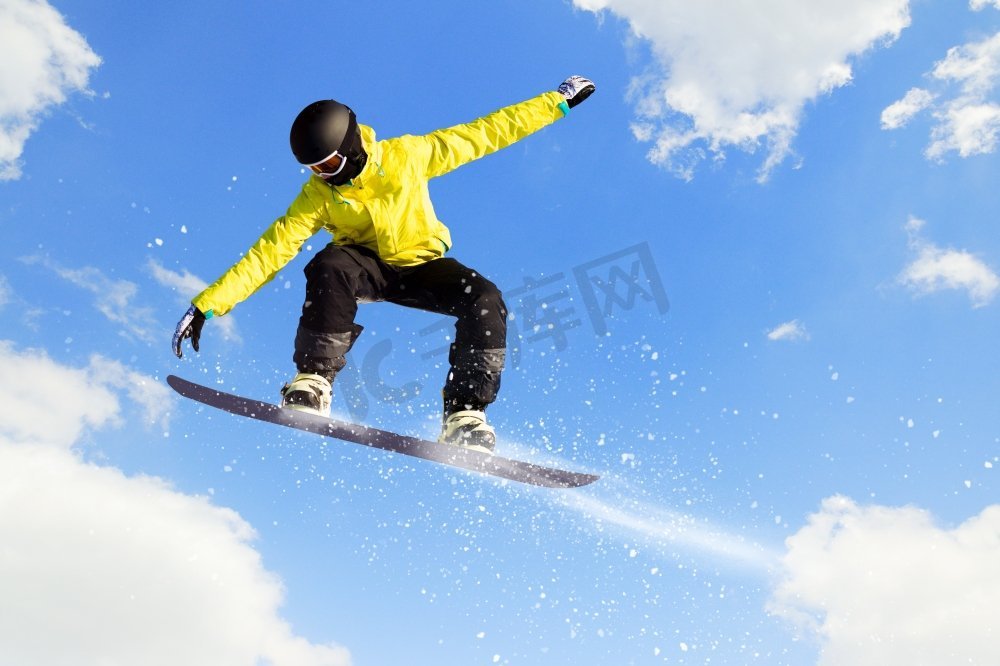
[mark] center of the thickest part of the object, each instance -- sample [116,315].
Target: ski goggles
[329,166]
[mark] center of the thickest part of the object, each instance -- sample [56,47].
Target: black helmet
[325,127]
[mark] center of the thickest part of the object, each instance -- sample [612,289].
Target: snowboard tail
[506,468]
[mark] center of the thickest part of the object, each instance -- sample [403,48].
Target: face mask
[355,158]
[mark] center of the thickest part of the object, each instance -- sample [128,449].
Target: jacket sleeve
[449,148]
[276,247]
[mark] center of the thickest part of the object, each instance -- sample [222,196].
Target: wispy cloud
[5,292]
[887,586]
[115,299]
[790,330]
[186,285]
[935,269]
[142,555]
[738,75]
[44,60]
[152,396]
[963,105]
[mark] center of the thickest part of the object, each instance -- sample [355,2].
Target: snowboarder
[388,245]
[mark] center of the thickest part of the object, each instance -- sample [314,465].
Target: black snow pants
[340,277]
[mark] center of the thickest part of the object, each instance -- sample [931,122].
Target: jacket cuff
[203,307]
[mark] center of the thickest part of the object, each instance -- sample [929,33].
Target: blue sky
[754,282]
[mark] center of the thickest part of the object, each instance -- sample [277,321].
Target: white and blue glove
[576,89]
[188,327]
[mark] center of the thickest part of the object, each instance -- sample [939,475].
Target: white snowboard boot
[307,393]
[469,430]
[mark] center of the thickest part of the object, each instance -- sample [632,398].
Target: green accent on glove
[564,107]
[209,314]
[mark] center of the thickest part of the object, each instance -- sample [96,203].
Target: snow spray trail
[668,530]
[614,503]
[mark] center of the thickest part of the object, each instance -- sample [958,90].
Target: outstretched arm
[449,148]
[276,247]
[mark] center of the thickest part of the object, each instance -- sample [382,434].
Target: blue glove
[188,327]
[576,89]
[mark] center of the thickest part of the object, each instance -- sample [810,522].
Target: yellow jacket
[387,208]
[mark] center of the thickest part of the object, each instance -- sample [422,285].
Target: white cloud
[115,299]
[968,124]
[899,113]
[976,5]
[790,330]
[44,403]
[966,113]
[101,568]
[965,128]
[886,586]
[43,61]
[935,269]
[740,74]
[186,286]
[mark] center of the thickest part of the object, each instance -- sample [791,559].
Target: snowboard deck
[476,461]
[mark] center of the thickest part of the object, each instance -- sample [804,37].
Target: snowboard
[476,461]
